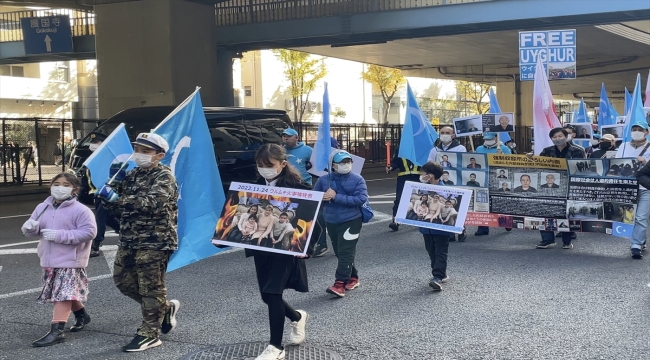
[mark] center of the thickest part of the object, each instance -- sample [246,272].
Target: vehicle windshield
[132,129]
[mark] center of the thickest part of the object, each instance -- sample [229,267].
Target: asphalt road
[505,299]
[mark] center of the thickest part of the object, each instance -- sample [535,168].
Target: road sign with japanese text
[557,49]
[47,35]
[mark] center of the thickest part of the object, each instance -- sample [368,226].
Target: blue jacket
[492,150]
[427,231]
[299,157]
[351,193]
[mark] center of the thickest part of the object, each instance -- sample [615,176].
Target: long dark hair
[263,156]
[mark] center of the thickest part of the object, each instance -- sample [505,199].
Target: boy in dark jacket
[345,193]
[435,241]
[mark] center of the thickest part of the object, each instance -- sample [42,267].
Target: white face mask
[595,142]
[343,168]
[424,179]
[569,137]
[490,142]
[638,135]
[445,138]
[93,147]
[142,160]
[61,192]
[268,173]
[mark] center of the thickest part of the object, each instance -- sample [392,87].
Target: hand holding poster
[433,207]
[268,218]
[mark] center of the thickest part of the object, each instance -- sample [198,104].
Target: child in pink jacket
[66,228]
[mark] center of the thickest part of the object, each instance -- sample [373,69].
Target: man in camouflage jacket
[145,199]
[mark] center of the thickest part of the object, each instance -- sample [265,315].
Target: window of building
[61,72]
[11,70]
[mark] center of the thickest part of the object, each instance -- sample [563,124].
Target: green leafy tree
[303,72]
[473,97]
[387,81]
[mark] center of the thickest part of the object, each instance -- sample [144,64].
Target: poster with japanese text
[433,206]
[268,218]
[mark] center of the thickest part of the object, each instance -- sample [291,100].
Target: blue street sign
[557,49]
[47,35]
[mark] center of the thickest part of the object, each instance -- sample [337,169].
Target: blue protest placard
[557,48]
[47,35]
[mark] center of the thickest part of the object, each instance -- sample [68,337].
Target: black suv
[236,134]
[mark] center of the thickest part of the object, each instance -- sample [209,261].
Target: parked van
[236,134]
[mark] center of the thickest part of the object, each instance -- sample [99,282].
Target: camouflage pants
[140,275]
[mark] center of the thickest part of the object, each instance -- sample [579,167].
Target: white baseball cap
[152,141]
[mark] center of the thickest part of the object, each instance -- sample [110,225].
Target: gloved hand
[29,225]
[49,234]
[107,193]
[117,169]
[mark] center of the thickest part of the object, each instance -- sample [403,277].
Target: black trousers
[437,246]
[104,217]
[344,239]
[400,188]
[278,310]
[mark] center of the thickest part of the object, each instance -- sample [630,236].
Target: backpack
[366,211]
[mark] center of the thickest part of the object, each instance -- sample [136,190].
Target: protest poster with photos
[498,122]
[469,125]
[541,193]
[268,218]
[433,206]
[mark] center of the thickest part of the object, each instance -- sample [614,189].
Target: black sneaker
[436,284]
[169,322]
[567,246]
[94,253]
[481,233]
[320,251]
[636,254]
[393,226]
[141,343]
[462,237]
[545,245]
[508,229]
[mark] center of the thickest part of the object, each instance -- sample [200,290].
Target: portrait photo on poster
[499,122]
[433,206]
[506,186]
[470,125]
[525,183]
[617,130]
[583,130]
[550,180]
[585,167]
[623,213]
[623,167]
[449,177]
[501,175]
[474,161]
[448,160]
[268,218]
[473,178]
[584,210]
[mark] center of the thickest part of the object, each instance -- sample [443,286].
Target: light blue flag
[115,149]
[418,135]
[323,146]
[622,229]
[496,109]
[581,116]
[201,197]
[606,112]
[628,102]
[636,114]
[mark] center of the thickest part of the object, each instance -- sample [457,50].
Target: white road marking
[13,216]
[390,178]
[19,244]
[381,202]
[33,251]
[36,290]
[382,197]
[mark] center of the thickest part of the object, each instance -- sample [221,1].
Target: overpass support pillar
[155,53]
[517,97]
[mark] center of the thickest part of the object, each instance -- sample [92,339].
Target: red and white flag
[544,117]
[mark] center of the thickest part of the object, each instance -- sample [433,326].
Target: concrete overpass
[155,51]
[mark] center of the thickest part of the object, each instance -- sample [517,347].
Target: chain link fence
[33,150]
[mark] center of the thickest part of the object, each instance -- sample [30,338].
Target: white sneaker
[297,335]
[271,353]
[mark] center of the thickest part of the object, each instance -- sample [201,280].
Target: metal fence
[369,141]
[34,150]
[238,12]
[82,22]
